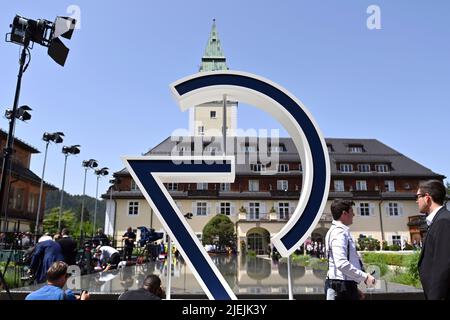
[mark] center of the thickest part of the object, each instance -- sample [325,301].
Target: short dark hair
[65,232]
[56,270]
[152,283]
[435,189]
[339,206]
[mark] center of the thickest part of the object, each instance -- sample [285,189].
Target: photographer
[345,268]
[151,290]
[56,279]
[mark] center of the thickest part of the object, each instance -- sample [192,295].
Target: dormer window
[356,148]
[330,148]
[277,148]
[365,167]
[383,168]
[248,148]
[257,167]
[346,167]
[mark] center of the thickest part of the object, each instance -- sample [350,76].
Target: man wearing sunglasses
[56,279]
[434,261]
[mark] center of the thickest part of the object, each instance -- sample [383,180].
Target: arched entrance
[258,240]
[319,235]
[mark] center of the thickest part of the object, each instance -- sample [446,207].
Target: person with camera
[345,269]
[108,257]
[151,290]
[56,279]
[130,238]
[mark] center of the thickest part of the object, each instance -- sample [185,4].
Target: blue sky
[112,97]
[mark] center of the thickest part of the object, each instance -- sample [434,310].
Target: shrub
[318,264]
[301,260]
[368,244]
[411,264]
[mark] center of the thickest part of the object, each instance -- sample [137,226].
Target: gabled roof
[20,143]
[374,152]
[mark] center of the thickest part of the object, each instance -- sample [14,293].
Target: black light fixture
[66,150]
[188,215]
[21,113]
[56,137]
[45,33]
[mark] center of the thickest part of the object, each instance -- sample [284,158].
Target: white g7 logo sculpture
[150,172]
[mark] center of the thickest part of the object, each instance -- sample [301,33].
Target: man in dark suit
[69,247]
[434,262]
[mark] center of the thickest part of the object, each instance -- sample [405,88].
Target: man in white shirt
[344,264]
[109,256]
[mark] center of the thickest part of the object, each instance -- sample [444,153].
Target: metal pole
[110,207]
[224,125]
[169,269]
[95,207]
[62,193]
[41,190]
[9,143]
[291,293]
[82,206]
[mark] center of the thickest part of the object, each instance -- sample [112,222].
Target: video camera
[148,236]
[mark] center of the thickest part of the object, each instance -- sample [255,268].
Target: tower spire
[213,58]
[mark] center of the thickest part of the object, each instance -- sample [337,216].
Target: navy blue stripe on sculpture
[314,141]
[142,168]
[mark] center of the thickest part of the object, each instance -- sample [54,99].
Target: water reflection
[245,275]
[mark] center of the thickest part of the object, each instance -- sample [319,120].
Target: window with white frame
[133,208]
[283,210]
[393,209]
[339,186]
[172,186]
[201,208]
[389,185]
[201,130]
[396,239]
[346,167]
[133,186]
[253,185]
[283,167]
[257,167]
[282,185]
[225,208]
[212,114]
[202,186]
[254,210]
[364,167]
[225,186]
[355,149]
[364,209]
[361,185]
[382,168]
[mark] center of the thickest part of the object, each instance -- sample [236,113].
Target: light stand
[66,151]
[7,152]
[87,164]
[100,172]
[56,137]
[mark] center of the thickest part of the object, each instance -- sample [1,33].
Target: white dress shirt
[430,217]
[337,241]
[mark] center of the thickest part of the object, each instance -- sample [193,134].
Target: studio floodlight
[21,113]
[56,137]
[45,33]
[75,149]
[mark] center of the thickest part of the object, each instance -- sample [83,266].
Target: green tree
[51,219]
[220,231]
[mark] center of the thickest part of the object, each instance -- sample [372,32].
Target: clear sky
[112,97]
